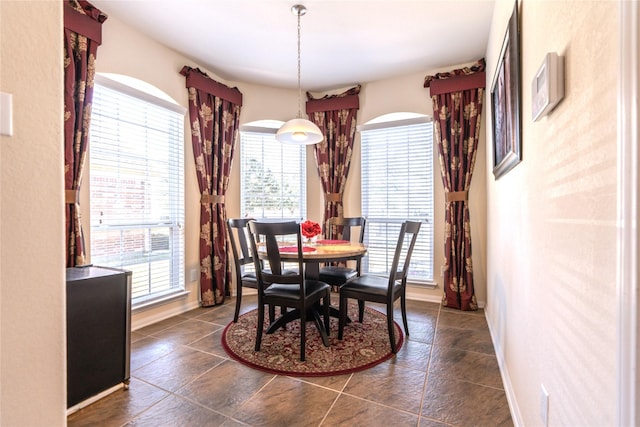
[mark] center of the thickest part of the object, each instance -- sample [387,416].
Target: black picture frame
[506,100]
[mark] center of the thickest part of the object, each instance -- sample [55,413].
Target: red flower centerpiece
[310,229]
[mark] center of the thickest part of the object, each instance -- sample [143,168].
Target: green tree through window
[273,183]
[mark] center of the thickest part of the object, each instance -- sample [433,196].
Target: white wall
[32,304]
[160,66]
[552,221]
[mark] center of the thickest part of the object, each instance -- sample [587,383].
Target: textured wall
[551,221]
[32,330]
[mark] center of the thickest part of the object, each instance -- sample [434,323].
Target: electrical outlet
[544,405]
[195,272]
[6,114]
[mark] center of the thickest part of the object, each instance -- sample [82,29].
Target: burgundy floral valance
[200,80]
[457,80]
[83,18]
[346,100]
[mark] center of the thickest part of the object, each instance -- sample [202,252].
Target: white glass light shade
[299,131]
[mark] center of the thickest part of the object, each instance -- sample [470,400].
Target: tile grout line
[426,377]
[381,404]
[336,399]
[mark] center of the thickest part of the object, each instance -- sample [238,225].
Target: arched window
[137,185]
[397,185]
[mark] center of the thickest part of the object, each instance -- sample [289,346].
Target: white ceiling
[343,42]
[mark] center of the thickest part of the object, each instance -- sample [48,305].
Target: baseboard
[93,399]
[170,311]
[418,293]
[516,417]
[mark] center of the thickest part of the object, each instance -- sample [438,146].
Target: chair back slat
[273,253]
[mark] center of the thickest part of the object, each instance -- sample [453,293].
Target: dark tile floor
[446,374]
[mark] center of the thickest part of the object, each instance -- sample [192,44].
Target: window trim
[110,83]
[394,123]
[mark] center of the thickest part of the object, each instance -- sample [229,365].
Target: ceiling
[342,42]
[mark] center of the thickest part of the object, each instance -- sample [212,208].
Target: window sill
[427,284]
[160,300]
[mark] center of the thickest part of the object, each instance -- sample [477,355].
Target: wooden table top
[327,252]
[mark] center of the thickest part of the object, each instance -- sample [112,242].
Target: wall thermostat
[547,87]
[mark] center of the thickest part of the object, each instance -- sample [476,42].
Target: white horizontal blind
[397,185]
[273,176]
[137,188]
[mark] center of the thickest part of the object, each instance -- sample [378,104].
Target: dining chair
[290,290]
[238,236]
[374,288]
[342,229]
[237,230]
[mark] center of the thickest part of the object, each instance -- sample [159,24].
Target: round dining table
[323,251]
[313,254]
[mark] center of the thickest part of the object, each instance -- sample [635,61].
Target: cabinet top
[89,271]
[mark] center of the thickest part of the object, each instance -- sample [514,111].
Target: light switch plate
[6,114]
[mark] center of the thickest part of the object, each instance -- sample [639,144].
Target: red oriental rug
[363,346]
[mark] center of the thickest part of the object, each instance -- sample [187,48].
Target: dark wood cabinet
[98,331]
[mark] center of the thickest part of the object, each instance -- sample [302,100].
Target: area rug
[363,346]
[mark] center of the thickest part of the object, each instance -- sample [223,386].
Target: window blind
[137,188]
[397,185]
[273,176]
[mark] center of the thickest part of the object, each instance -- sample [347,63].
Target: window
[273,175]
[137,188]
[397,185]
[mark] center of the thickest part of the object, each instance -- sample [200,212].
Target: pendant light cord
[299,131]
[299,87]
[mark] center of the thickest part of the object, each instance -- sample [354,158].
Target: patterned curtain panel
[214,113]
[82,35]
[336,117]
[457,106]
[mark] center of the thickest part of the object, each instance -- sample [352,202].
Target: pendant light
[299,131]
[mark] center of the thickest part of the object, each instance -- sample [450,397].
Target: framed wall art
[506,102]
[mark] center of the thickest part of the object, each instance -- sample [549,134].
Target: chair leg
[283,311]
[390,325]
[360,310]
[260,326]
[272,314]
[320,327]
[303,332]
[403,306]
[238,301]
[343,315]
[327,304]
